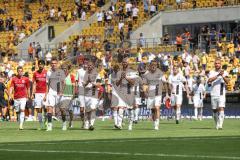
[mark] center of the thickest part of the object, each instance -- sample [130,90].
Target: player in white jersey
[55,82]
[155,81]
[92,95]
[80,89]
[199,93]
[138,90]
[177,84]
[125,82]
[218,79]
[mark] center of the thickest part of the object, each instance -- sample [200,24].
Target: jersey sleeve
[48,76]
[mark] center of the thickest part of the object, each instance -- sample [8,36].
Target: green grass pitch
[191,140]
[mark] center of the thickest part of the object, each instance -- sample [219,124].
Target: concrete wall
[153,27]
[40,36]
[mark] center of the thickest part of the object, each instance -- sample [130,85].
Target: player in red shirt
[39,89]
[21,89]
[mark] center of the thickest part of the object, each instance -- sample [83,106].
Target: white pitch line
[125,153]
[119,141]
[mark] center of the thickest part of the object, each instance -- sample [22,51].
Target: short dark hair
[54,59]
[19,67]
[41,62]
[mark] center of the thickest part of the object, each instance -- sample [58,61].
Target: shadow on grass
[126,140]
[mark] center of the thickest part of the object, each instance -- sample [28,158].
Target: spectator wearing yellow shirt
[204,60]
[235,64]
[230,48]
[69,15]
[238,51]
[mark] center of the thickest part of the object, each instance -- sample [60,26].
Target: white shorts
[119,101]
[91,103]
[154,102]
[198,103]
[52,99]
[100,105]
[176,100]
[81,101]
[20,104]
[218,102]
[65,102]
[138,101]
[38,101]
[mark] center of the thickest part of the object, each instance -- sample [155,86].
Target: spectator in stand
[141,40]
[196,61]
[135,11]
[48,57]
[128,8]
[30,51]
[100,17]
[38,49]
[145,7]
[231,49]
[152,9]
[219,48]
[204,60]
[166,38]
[83,15]
[52,14]
[179,42]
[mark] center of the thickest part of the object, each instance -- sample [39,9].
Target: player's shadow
[202,128]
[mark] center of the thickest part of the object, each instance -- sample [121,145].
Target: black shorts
[29,104]
[3,102]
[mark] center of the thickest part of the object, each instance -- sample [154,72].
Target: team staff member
[21,89]
[39,90]
[55,81]
[67,97]
[218,79]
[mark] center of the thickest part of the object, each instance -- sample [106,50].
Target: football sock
[201,112]
[156,123]
[195,112]
[49,116]
[93,115]
[221,118]
[178,113]
[131,115]
[40,117]
[115,117]
[215,117]
[136,111]
[71,115]
[120,116]
[21,117]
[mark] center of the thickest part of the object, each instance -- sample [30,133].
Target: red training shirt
[41,81]
[20,85]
